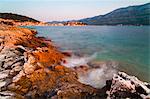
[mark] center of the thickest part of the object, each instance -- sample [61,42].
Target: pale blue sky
[50,10]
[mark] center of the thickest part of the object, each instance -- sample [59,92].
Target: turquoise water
[128,45]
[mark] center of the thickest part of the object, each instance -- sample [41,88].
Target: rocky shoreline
[32,68]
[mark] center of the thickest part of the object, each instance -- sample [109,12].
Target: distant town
[30,23]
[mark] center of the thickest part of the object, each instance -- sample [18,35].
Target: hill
[132,15]
[16,17]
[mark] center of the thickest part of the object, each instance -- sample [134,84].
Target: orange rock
[41,74]
[59,67]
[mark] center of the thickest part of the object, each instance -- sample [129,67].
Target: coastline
[32,67]
[40,23]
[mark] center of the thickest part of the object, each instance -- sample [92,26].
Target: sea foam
[76,61]
[95,77]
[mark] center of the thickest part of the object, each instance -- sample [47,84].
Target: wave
[76,61]
[97,75]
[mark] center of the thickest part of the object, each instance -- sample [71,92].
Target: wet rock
[67,54]
[125,86]
[99,64]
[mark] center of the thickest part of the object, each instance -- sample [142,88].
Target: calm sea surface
[128,45]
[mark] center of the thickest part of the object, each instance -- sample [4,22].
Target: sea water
[128,45]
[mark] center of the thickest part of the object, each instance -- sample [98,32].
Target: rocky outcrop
[125,86]
[30,67]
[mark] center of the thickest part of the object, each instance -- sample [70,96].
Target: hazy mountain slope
[132,15]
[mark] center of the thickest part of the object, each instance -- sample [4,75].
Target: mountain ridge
[131,15]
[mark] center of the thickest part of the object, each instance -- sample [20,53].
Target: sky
[60,10]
